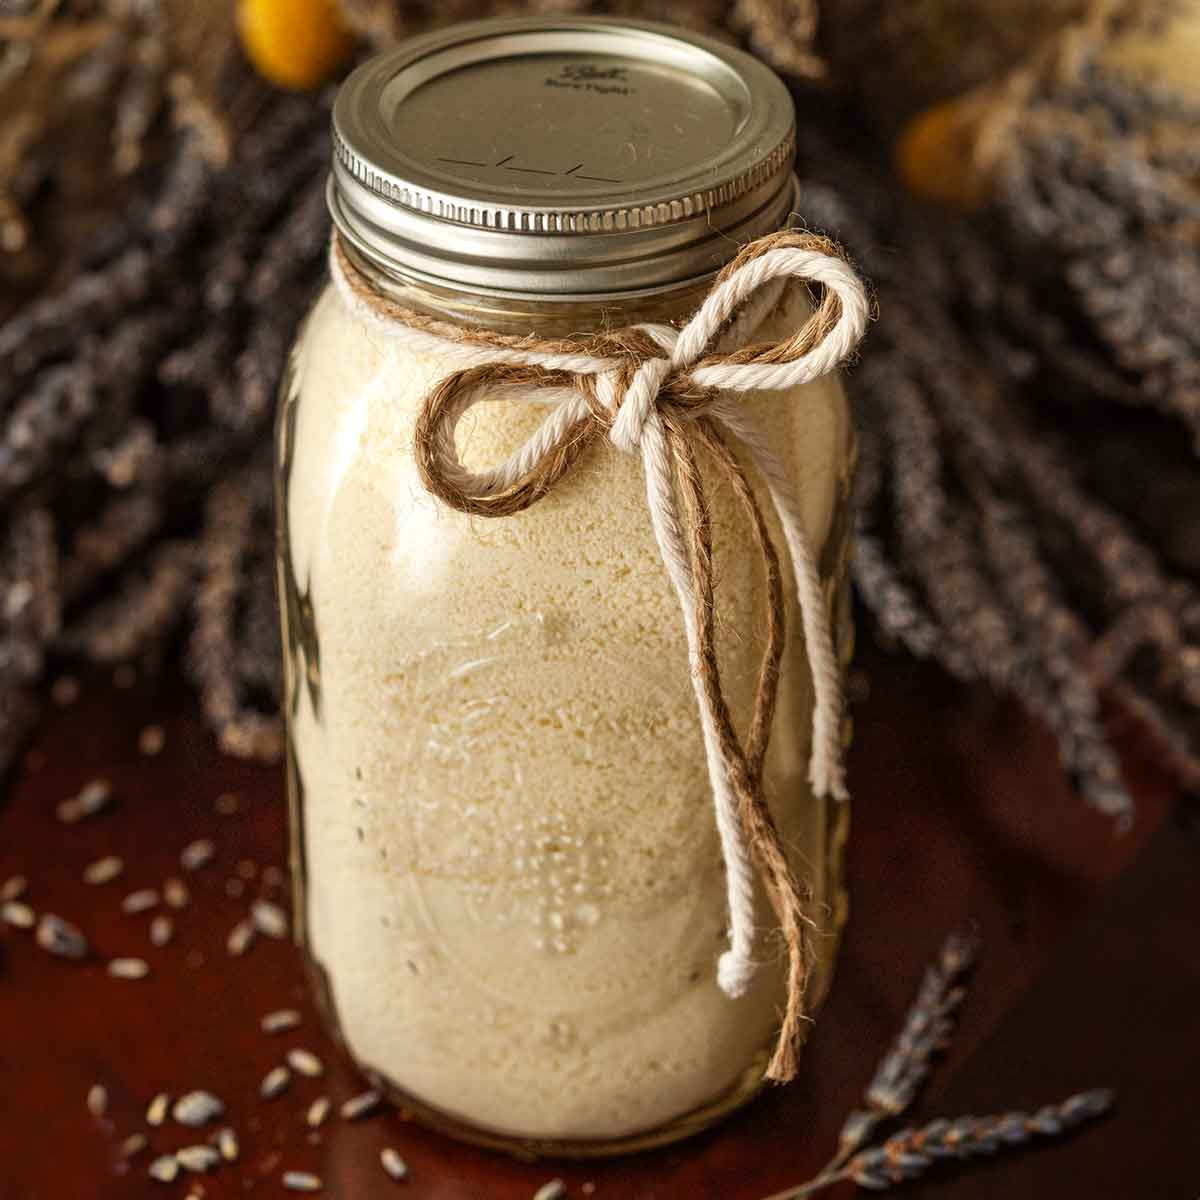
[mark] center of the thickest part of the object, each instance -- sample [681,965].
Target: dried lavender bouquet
[90,90]
[135,413]
[905,1066]
[1029,384]
[1028,400]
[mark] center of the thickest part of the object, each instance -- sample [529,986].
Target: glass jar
[509,881]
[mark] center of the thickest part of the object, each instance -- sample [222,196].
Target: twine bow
[663,393]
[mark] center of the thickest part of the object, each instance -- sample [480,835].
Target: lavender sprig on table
[910,1153]
[927,1027]
[926,1031]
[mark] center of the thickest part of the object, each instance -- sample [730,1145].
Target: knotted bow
[662,393]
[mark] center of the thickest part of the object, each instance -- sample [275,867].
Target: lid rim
[705,133]
[522,218]
[539,280]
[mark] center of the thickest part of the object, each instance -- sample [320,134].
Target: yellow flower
[296,44]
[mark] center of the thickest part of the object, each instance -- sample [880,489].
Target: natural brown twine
[681,405]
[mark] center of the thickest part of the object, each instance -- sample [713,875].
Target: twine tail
[745,763]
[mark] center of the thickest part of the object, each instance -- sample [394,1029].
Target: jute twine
[667,394]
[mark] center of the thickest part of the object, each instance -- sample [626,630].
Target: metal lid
[560,156]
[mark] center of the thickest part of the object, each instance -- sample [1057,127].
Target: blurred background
[1020,179]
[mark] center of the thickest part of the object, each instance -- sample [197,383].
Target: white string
[825,771]
[736,966]
[637,427]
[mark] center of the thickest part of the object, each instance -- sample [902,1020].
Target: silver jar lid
[560,156]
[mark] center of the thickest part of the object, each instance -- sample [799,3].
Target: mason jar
[509,882]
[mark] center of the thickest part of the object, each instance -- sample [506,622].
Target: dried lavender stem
[910,1153]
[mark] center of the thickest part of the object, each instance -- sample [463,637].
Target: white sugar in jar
[510,882]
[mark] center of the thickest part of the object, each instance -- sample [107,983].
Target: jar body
[509,879]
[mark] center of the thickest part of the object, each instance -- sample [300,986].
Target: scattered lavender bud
[61,938]
[14,888]
[91,799]
[133,1145]
[18,914]
[197,1108]
[165,1169]
[151,740]
[156,1110]
[280,1020]
[393,1164]
[198,1159]
[241,936]
[301,1181]
[274,1082]
[361,1106]
[129,968]
[305,1062]
[269,919]
[226,804]
[140,901]
[103,870]
[197,854]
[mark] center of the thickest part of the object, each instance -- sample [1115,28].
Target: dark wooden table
[960,813]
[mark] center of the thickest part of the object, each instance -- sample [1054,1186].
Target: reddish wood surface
[1121,997]
[959,813]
